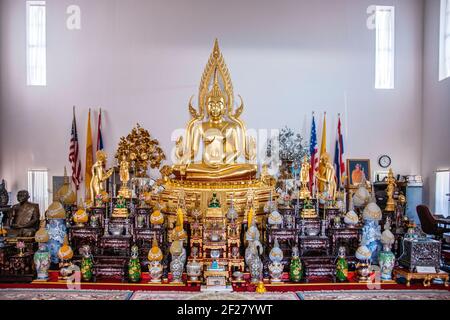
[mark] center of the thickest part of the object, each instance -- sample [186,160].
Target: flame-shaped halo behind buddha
[217,68]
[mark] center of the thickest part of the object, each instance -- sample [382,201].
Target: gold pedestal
[124,192]
[390,205]
[120,213]
[309,214]
[198,194]
[304,194]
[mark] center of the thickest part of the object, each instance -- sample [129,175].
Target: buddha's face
[215,107]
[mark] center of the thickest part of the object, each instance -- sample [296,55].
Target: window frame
[444,40]
[36,80]
[44,202]
[381,48]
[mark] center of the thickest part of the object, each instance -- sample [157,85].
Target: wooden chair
[428,223]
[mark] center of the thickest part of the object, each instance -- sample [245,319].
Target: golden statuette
[390,204]
[124,174]
[326,177]
[99,175]
[304,179]
[220,130]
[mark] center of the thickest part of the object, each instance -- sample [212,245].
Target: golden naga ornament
[219,128]
[140,151]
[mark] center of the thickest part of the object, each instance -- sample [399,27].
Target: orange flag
[323,145]
[89,159]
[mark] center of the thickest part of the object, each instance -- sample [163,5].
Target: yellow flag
[323,145]
[89,159]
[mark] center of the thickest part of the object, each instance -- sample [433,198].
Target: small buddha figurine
[326,177]
[99,175]
[390,204]
[214,202]
[25,217]
[304,179]
[223,134]
[124,177]
[4,197]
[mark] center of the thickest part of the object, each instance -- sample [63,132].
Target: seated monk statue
[25,217]
[222,134]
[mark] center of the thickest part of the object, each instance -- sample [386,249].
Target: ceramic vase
[371,235]
[276,271]
[57,230]
[42,262]
[194,270]
[156,270]
[363,271]
[341,266]
[295,270]
[134,270]
[386,259]
[176,268]
[256,268]
[87,266]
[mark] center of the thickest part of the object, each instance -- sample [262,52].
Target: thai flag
[313,150]
[339,165]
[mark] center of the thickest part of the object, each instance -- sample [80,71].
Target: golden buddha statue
[391,184]
[99,175]
[326,177]
[222,133]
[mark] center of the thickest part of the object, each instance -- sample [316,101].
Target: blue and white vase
[57,230]
[371,235]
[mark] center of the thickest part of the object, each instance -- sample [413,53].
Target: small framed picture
[57,183]
[358,169]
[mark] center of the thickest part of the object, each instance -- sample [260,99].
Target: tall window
[444,43]
[36,44]
[38,188]
[385,53]
[442,194]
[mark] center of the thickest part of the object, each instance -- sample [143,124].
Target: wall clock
[384,161]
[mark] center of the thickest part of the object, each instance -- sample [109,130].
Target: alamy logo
[371,19]
[74,19]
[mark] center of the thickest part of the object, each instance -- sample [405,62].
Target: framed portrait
[57,182]
[358,169]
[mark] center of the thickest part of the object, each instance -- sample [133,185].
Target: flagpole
[71,178]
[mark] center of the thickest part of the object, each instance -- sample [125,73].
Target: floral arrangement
[99,200]
[21,246]
[289,145]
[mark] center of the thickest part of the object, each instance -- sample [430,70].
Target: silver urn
[194,270]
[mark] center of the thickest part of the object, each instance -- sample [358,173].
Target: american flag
[74,158]
[339,165]
[313,154]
